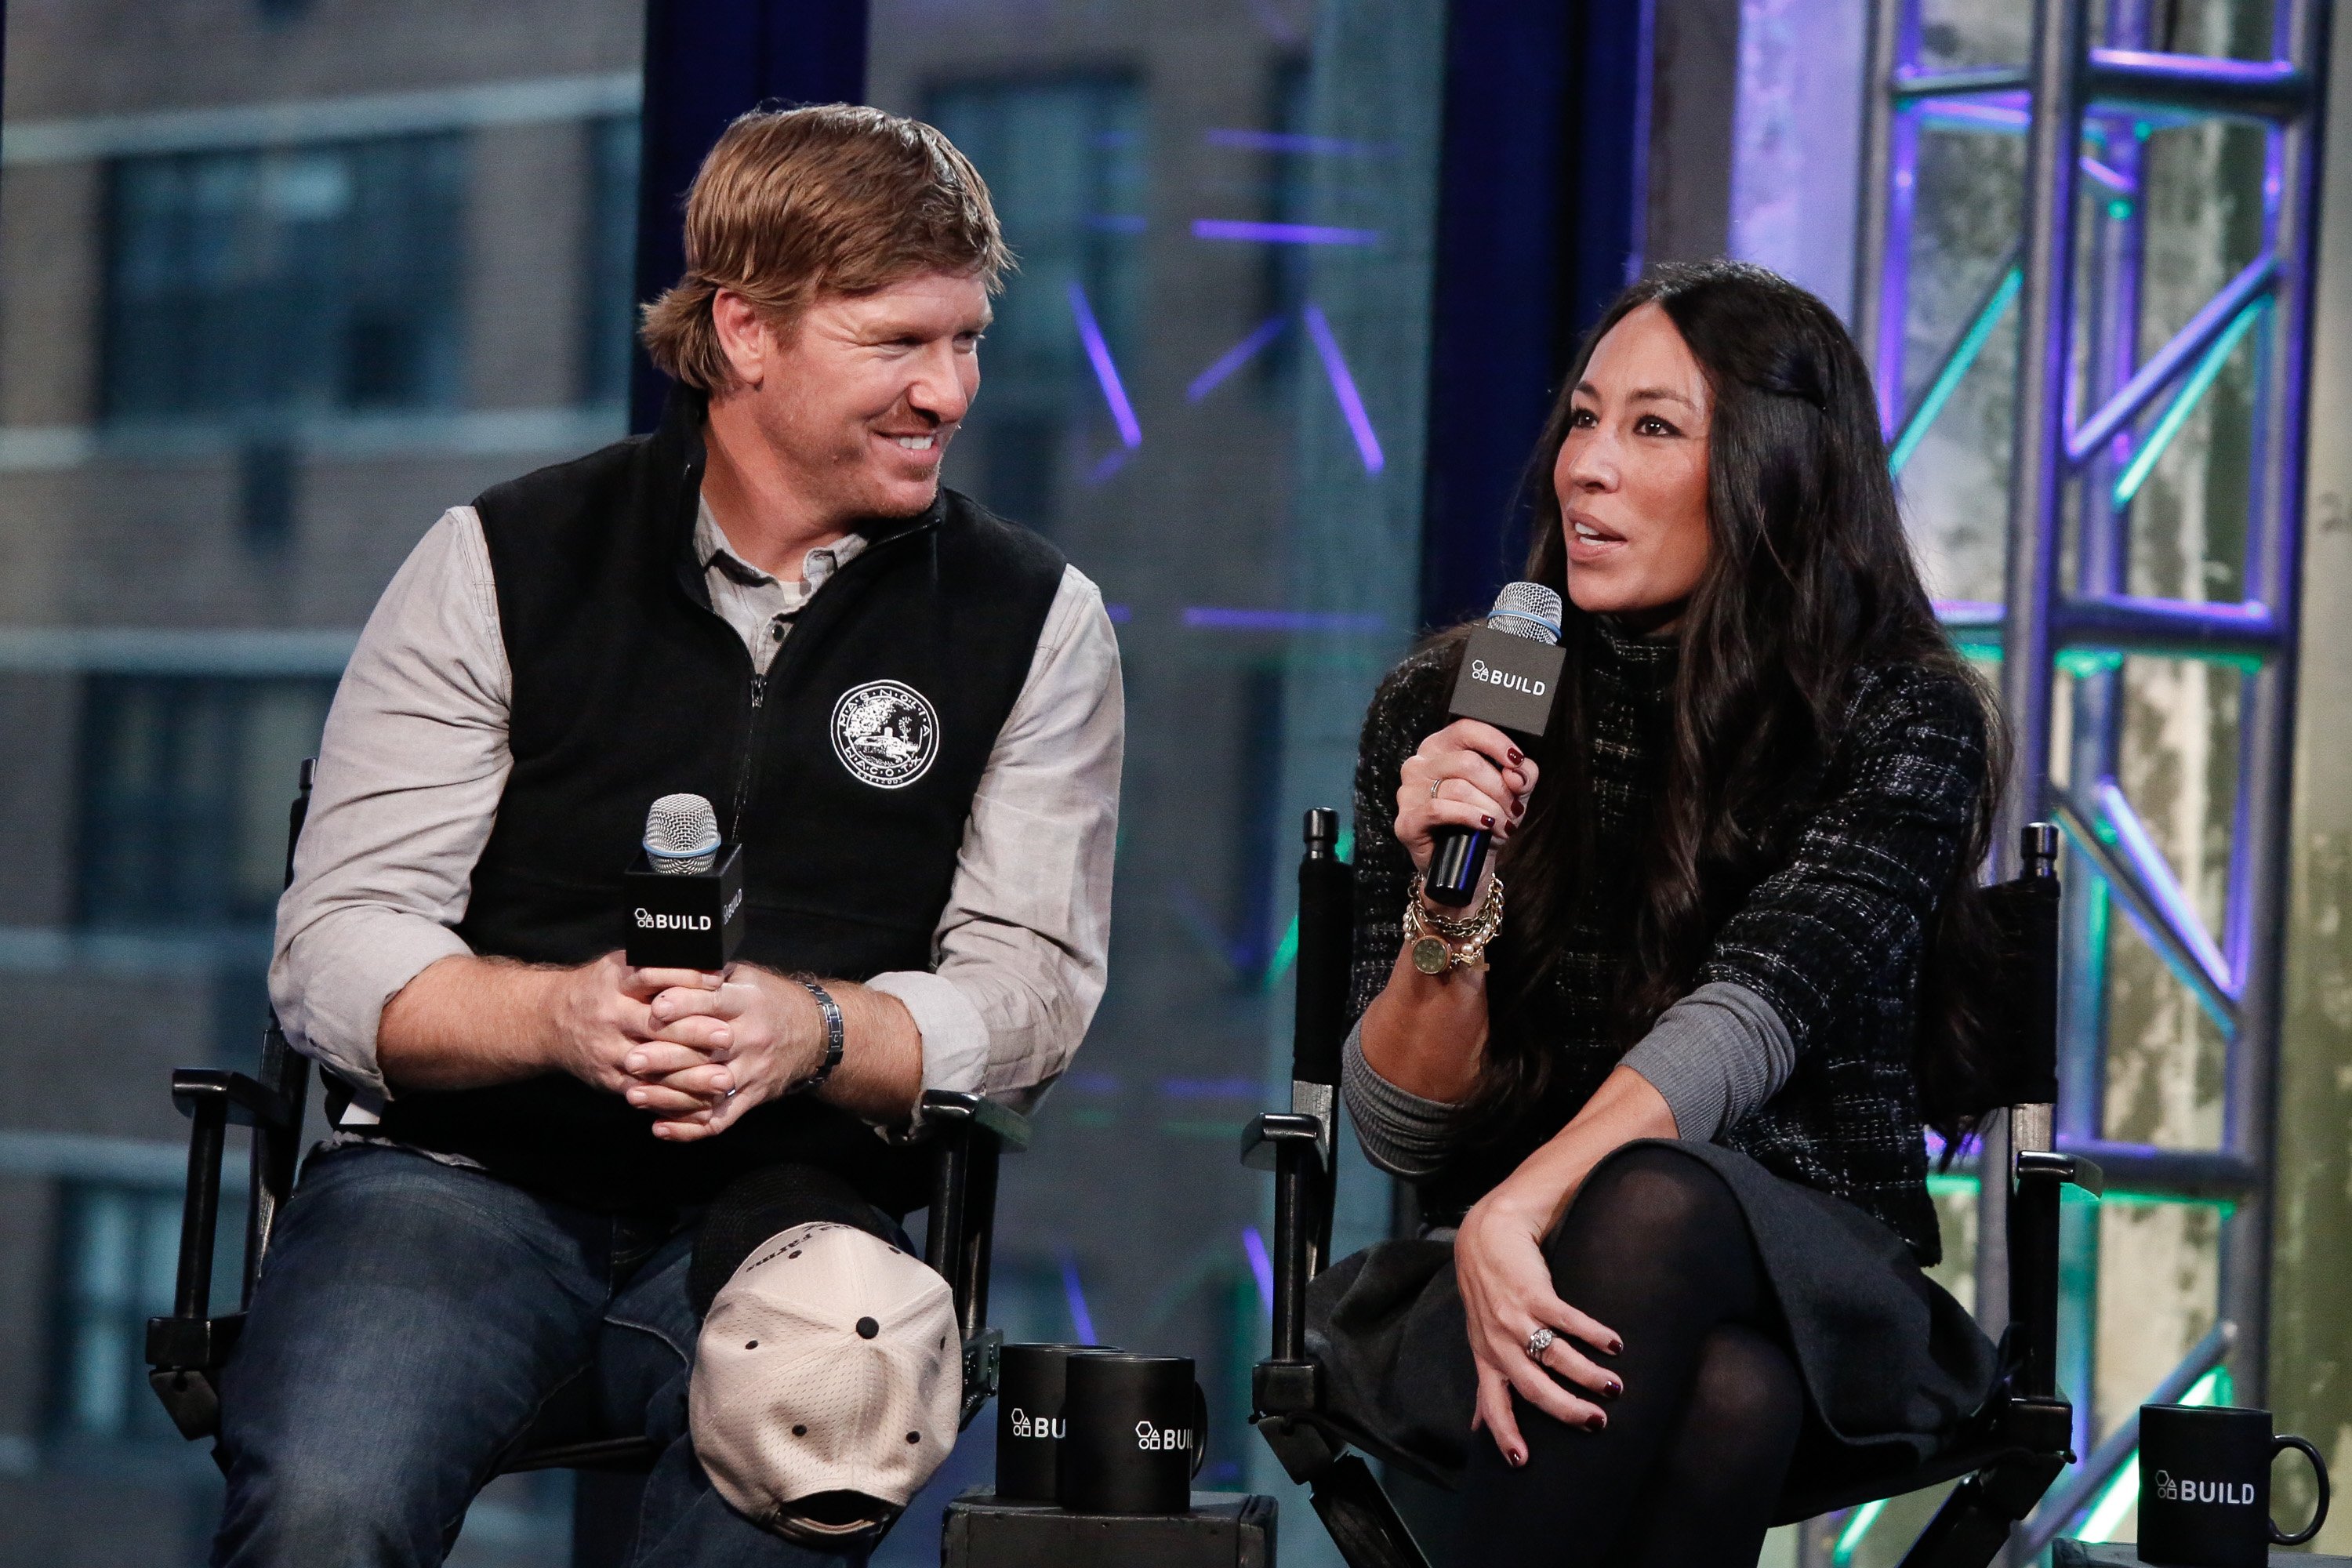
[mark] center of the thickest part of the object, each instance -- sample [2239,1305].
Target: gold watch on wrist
[1439,944]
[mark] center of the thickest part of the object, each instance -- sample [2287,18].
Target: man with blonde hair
[904,710]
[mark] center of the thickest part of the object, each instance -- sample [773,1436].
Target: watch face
[1429,955]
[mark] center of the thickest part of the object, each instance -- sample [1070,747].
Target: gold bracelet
[1434,937]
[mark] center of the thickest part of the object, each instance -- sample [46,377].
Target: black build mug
[1136,1426]
[1030,1425]
[2205,1486]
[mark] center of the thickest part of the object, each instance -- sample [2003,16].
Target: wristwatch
[835,1036]
[1438,943]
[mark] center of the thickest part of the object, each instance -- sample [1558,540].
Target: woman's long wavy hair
[1809,578]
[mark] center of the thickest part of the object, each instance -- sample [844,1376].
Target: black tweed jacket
[1832,936]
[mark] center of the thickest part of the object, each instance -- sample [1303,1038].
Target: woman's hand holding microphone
[1468,775]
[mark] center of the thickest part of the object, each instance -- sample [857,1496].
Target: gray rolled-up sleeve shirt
[415,757]
[1714,1056]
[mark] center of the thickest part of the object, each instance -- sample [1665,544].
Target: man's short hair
[834,198]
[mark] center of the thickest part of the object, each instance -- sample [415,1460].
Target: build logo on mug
[1136,1424]
[2205,1486]
[1032,1385]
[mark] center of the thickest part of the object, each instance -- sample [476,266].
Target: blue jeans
[414,1322]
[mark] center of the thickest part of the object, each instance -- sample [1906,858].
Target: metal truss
[2092,417]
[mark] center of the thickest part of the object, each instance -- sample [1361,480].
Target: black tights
[1691,1460]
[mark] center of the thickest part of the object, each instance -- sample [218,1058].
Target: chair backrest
[277,1150]
[2025,1028]
[2026,908]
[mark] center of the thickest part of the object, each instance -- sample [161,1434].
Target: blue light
[1233,358]
[1343,387]
[1122,413]
[1081,1320]
[1282,233]
[1220,618]
[1261,1266]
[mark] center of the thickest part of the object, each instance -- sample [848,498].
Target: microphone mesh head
[1527,610]
[682,834]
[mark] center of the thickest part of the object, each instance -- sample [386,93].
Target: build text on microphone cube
[1508,681]
[684,920]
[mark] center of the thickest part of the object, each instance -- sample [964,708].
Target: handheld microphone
[1510,677]
[684,892]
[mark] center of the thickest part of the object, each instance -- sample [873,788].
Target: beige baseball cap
[827,1383]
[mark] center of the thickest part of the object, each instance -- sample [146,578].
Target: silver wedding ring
[1432,787]
[1538,1342]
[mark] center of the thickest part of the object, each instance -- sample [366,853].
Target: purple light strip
[2113,179]
[1109,463]
[1080,1318]
[2175,357]
[1970,613]
[1261,1266]
[1214,619]
[1343,387]
[1287,141]
[1123,411]
[1282,233]
[1232,360]
[1119,614]
[2208,70]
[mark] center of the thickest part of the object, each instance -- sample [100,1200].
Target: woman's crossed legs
[1693,1457]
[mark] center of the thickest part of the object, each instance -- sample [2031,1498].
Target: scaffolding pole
[2092,414]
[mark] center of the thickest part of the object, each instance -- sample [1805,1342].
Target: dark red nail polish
[1597,1423]
[1516,756]
[1517,1459]
[1616,1347]
[1611,1389]
[1486,822]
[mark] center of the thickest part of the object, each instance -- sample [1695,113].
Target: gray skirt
[1891,1364]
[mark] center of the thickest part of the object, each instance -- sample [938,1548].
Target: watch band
[836,1037]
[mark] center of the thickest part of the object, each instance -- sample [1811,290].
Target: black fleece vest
[846,774]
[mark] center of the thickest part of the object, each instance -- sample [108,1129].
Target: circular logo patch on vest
[884,733]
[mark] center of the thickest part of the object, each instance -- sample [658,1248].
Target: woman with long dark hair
[1673,1092]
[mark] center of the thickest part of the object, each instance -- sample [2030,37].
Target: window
[1064,162]
[186,782]
[117,1257]
[312,278]
[611,274]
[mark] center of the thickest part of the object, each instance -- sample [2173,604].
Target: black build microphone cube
[1510,682]
[685,920]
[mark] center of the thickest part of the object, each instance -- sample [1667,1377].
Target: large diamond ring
[1538,1342]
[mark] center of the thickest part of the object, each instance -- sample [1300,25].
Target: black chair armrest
[1263,1139]
[244,1101]
[948,1107]
[2080,1169]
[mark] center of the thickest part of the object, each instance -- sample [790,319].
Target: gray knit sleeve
[1716,1054]
[1403,1134]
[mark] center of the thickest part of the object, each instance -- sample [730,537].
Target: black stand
[1224,1530]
